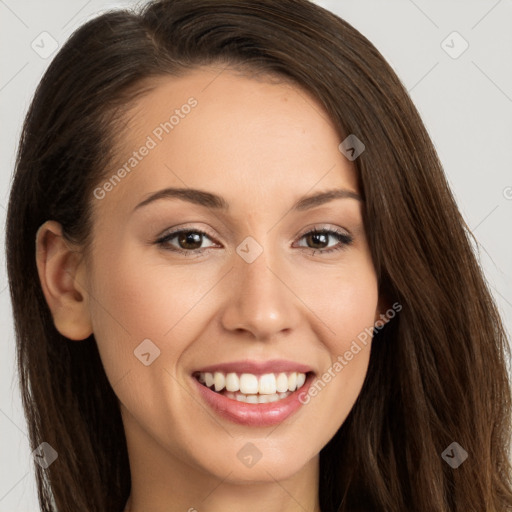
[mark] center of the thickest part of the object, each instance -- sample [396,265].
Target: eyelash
[343,238]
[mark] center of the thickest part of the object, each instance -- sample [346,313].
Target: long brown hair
[437,372]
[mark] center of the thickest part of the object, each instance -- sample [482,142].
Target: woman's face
[257,294]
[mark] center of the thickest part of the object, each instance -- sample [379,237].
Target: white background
[466,104]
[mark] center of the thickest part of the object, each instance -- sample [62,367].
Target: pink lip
[257,368]
[254,415]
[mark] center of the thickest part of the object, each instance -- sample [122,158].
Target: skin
[261,146]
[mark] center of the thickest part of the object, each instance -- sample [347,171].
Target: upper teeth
[248,383]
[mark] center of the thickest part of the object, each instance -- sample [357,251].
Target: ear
[61,272]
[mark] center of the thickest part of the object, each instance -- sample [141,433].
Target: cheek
[141,299]
[137,300]
[138,309]
[346,307]
[344,300]
[132,302]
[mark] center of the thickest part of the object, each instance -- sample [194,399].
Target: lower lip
[254,415]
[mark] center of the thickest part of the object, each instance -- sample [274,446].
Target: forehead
[229,133]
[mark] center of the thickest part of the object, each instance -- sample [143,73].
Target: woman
[250,287]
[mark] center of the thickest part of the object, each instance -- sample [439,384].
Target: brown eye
[318,240]
[190,240]
[185,241]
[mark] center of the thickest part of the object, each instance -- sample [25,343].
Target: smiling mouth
[251,388]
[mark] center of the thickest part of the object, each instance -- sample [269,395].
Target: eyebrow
[209,200]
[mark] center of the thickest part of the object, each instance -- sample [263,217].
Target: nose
[260,300]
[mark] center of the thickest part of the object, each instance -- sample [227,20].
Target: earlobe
[59,266]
